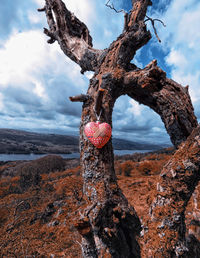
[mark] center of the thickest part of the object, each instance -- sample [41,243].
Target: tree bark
[170,100]
[71,34]
[109,226]
[176,184]
[113,222]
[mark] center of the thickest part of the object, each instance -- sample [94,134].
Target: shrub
[50,163]
[118,167]
[30,172]
[126,167]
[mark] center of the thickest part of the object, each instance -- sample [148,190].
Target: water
[12,157]
[125,152]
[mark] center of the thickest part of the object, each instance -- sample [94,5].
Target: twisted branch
[71,34]
[154,28]
[111,6]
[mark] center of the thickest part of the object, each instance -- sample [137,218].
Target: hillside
[40,202]
[22,142]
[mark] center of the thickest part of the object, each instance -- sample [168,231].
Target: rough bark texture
[169,99]
[108,225]
[71,34]
[178,180]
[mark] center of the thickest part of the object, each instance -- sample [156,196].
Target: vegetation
[40,221]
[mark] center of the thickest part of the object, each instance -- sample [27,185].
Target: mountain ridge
[24,142]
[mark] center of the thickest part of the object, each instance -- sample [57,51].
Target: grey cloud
[135,128]
[47,115]
[59,97]
[147,127]
[41,113]
[22,96]
[69,109]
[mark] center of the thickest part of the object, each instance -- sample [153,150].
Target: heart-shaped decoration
[98,134]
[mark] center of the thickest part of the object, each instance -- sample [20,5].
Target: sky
[36,79]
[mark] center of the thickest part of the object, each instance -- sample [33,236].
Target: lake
[12,157]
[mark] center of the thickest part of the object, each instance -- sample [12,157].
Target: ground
[38,213]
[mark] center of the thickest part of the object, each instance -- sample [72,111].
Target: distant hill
[120,144]
[23,142]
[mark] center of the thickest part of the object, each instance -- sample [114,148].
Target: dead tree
[109,226]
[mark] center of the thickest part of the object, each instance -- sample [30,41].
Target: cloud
[1,101]
[180,42]
[36,79]
[137,122]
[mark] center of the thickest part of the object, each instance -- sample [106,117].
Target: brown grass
[39,221]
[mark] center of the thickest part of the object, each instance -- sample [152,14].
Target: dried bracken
[41,221]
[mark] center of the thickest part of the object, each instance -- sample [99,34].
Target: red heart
[98,134]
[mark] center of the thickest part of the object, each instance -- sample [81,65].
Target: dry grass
[38,222]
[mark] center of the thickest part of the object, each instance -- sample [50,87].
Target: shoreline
[4,157]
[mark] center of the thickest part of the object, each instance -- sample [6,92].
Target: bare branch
[113,224]
[79,98]
[111,6]
[160,21]
[41,9]
[152,22]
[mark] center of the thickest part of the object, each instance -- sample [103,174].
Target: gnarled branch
[170,100]
[71,34]
[134,35]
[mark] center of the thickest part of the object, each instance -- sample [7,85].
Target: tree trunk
[109,226]
[108,217]
[176,184]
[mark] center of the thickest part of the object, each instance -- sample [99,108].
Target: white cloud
[181,39]
[84,9]
[135,108]
[35,17]
[29,64]
[39,71]
[1,102]
[176,59]
[40,90]
[27,56]
[20,56]
[39,2]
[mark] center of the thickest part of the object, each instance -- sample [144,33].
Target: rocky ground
[40,202]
